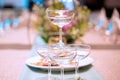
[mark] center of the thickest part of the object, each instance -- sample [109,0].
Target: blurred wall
[112,3]
[94,4]
[97,4]
[14,3]
[109,5]
[0,3]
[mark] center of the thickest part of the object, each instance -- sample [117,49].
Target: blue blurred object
[25,3]
[7,23]
[34,1]
[15,22]
[38,2]
[110,27]
[69,4]
[14,3]
[99,24]
[1,3]
[1,27]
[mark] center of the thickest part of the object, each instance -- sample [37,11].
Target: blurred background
[17,34]
[100,16]
[109,5]
[21,13]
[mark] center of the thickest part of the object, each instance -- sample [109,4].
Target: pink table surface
[106,61]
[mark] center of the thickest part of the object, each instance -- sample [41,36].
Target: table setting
[68,44]
[59,61]
[31,71]
[34,62]
[66,59]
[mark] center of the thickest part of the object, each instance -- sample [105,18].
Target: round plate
[33,60]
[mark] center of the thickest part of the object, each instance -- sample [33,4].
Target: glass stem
[76,70]
[62,72]
[76,67]
[60,36]
[49,69]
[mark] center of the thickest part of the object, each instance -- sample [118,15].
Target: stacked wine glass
[59,53]
[62,54]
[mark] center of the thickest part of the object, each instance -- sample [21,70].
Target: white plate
[31,62]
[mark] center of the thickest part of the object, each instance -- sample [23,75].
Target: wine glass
[1,24]
[62,56]
[83,51]
[43,51]
[60,18]
[111,33]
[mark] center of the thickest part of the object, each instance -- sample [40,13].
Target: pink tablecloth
[107,63]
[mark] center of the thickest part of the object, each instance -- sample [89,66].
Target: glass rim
[48,9]
[60,10]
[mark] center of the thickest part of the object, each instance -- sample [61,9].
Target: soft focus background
[17,34]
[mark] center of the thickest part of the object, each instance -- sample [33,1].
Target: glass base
[76,78]
[59,78]
[61,44]
[47,78]
[43,78]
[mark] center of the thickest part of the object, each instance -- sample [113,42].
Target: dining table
[32,73]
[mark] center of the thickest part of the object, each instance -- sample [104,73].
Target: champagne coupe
[43,51]
[83,51]
[62,56]
[60,18]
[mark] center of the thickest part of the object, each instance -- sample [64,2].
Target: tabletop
[31,73]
